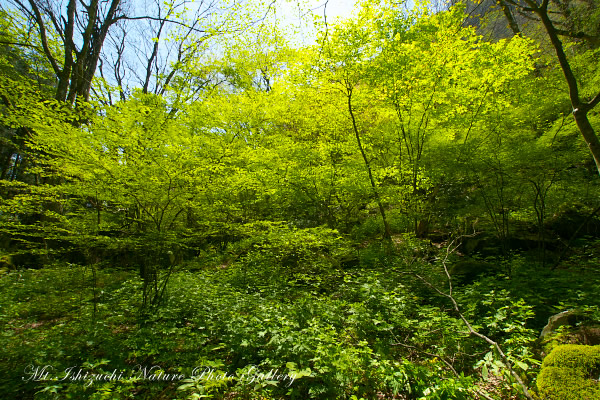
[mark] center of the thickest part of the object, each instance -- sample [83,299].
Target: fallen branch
[471,330]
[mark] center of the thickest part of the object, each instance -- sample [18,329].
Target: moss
[570,372]
[574,356]
[559,383]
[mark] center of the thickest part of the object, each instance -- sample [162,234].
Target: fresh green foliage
[391,212]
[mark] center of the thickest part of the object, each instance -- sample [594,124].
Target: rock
[467,271]
[5,264]
[469,245]
[571,220]
[569,317]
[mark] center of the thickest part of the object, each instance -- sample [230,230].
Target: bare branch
[43,35]
[57,26]
[508,14]
[154,52]
[472,331]
[124,17]
[33,46]
[430,355]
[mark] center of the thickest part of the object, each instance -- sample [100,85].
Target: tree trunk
[387,234]
[589,135]
[580,108]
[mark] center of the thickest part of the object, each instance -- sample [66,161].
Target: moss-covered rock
[570,372]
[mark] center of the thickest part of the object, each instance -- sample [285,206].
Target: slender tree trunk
[387,234]
[510,18]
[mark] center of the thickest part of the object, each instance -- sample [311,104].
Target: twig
[448,364]
[472,331]
[430,355]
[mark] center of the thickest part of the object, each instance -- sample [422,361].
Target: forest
[202,200]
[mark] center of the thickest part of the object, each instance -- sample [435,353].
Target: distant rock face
[488,19]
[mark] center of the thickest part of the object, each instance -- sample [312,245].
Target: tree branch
[408,346]
[43,36]
[594,102]
[472,330]
[577,35]
[512,22]
[160,20]
[33,46]
[154,51]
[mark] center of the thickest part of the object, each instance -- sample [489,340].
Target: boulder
[467,271]
[569,317]
[574,220]
[581,330]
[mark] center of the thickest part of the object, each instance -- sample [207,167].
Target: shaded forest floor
[247,330]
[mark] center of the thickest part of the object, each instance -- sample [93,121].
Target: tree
[162,48]
[168,37]
[422,82]
[348,52]
[581,104]
[81,33]
[24,71]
